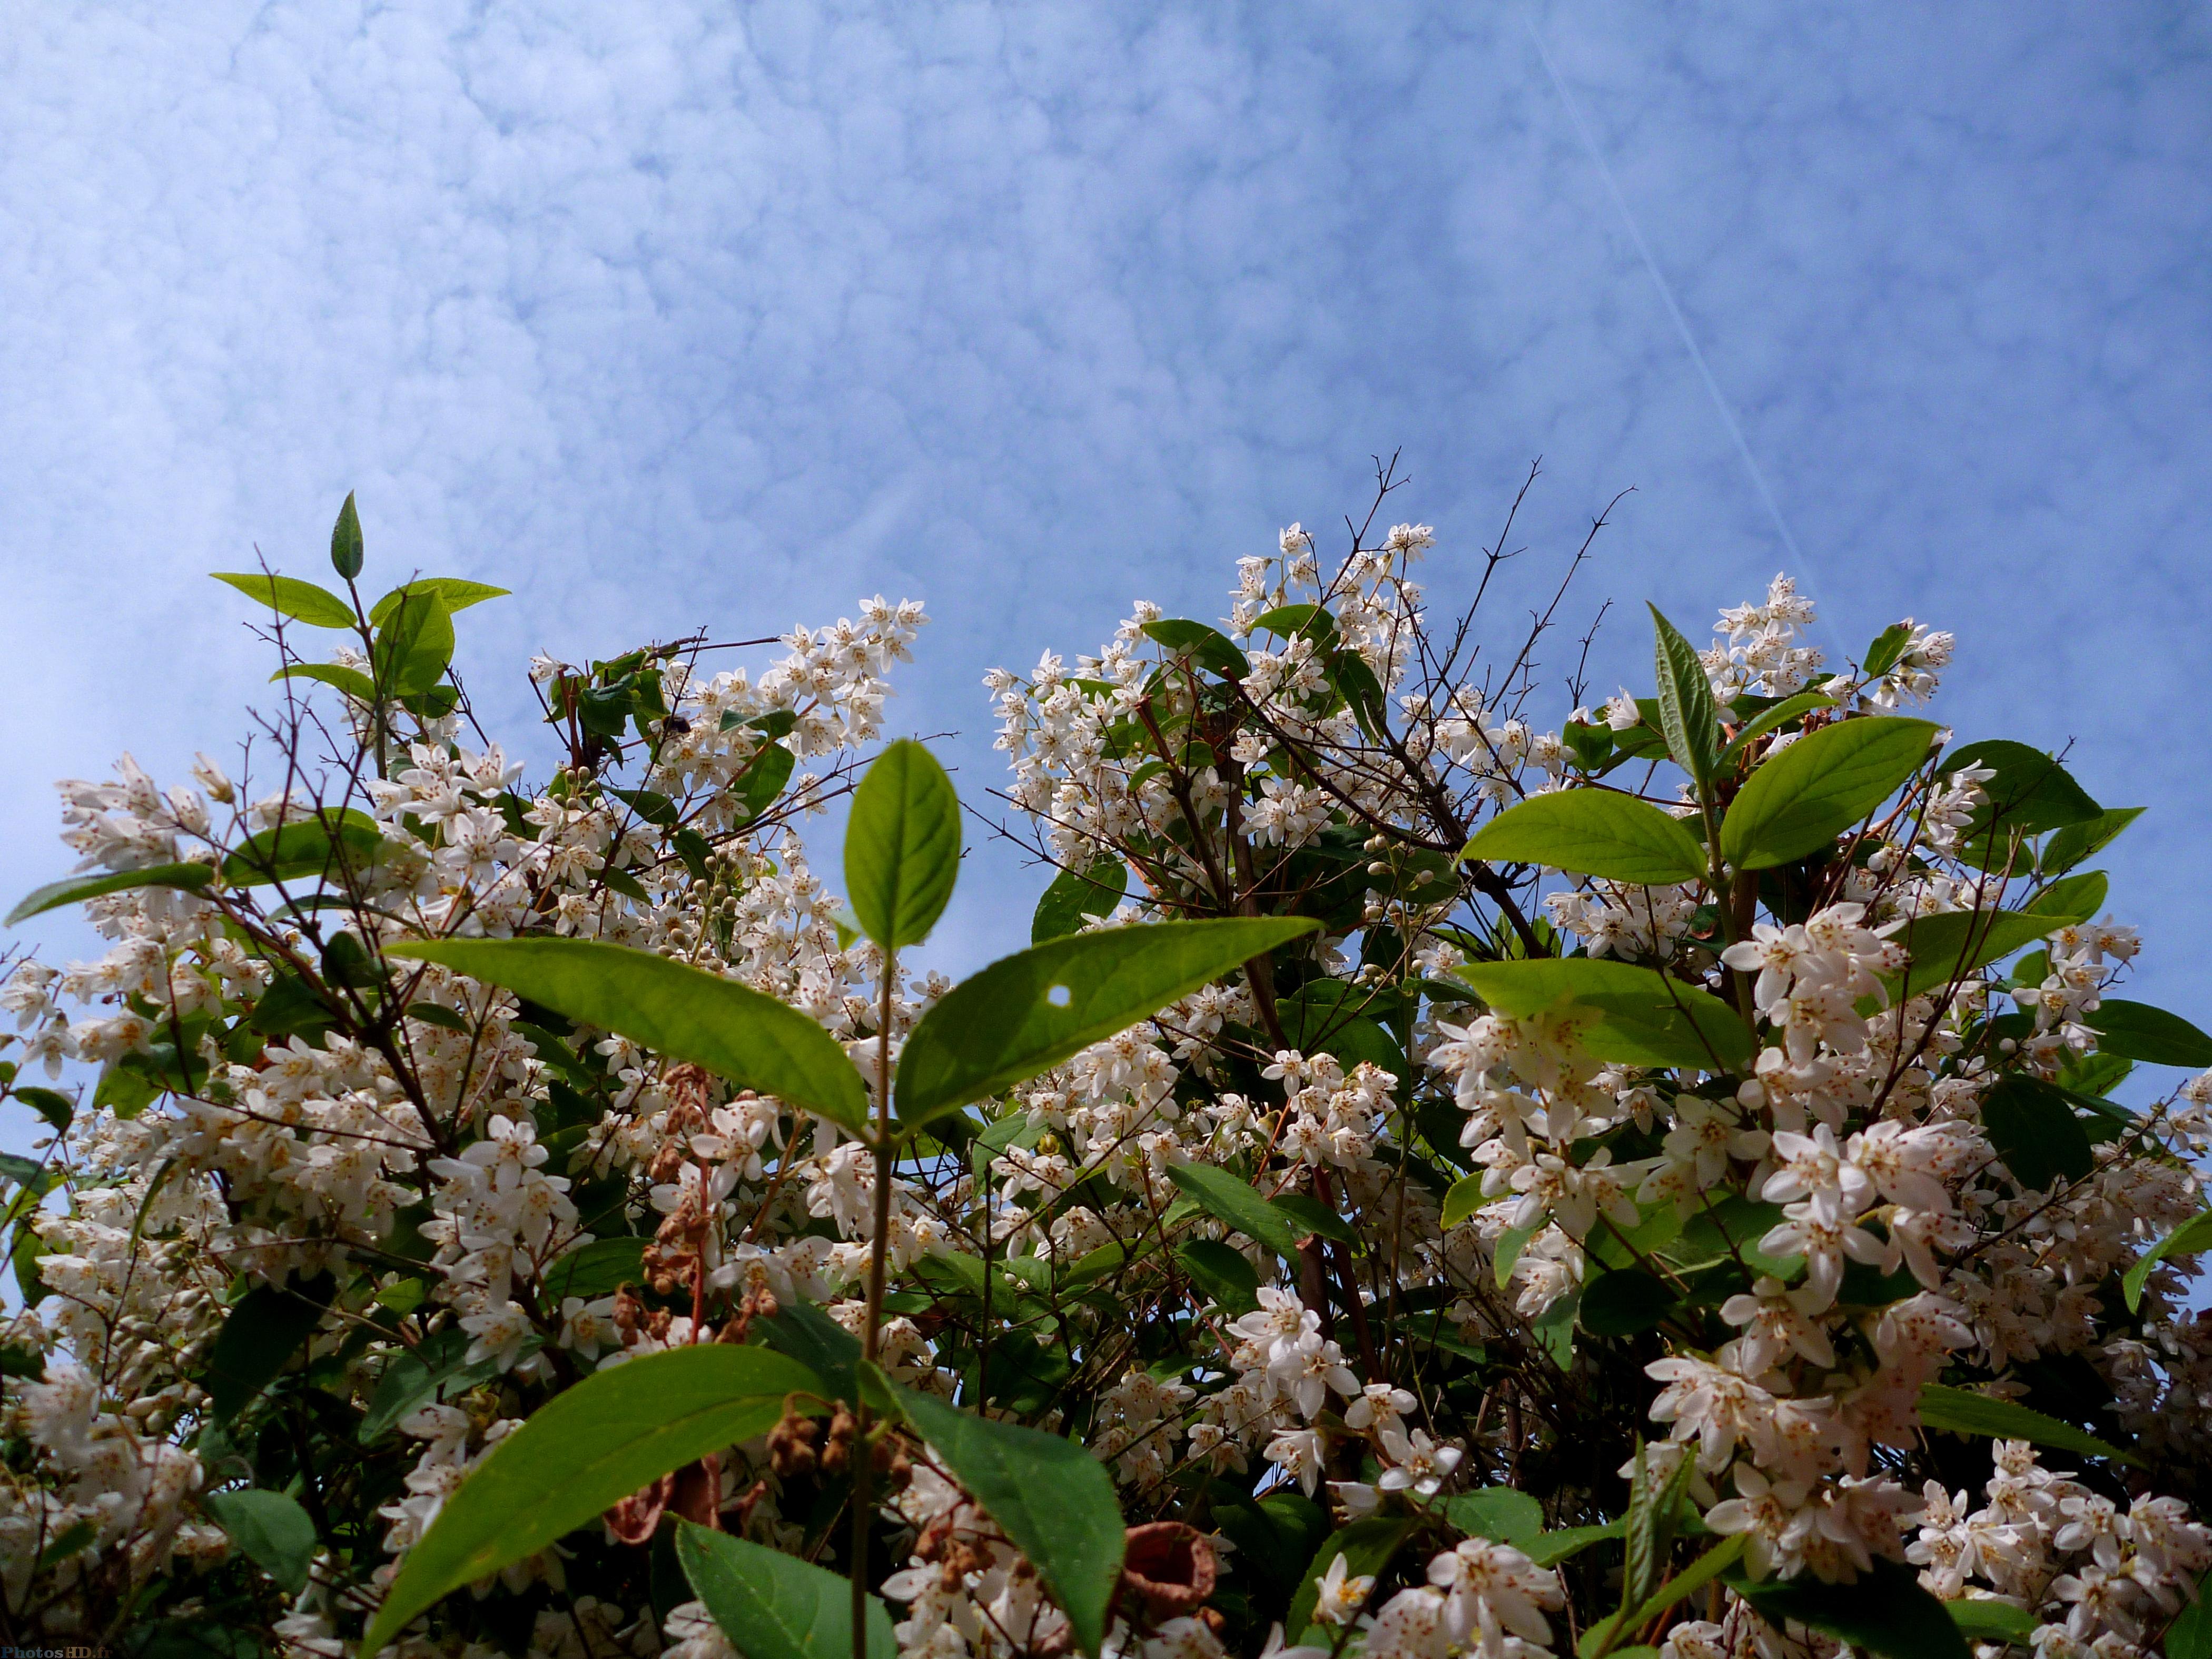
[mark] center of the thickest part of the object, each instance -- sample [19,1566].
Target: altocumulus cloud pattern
[666,313]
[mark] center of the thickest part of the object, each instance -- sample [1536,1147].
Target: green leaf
[1688,1581]
[1953,944]
[1226,1197]
[1635,1016]
[1505,1255]
[1550,1548]
[414,643]
[1799,801]
[1311,1216]
[351,681]
[2031,791]
[679,1012]
[1222,1272]
[1049,1495]
[1984,1619]
[2136,1030]
[1623,1302]
[438,1368]
[2033,1127]
[2190,1237]
[1498,1513]
[2072,896]
[1885,1611]
[1075,895]
[345,541]
[773,1606]
[288,596]
[1289,621]
[1769,720]
[804,1333]
[1464,1199]
[2189,1636]
[56,1108]
[1962,1411]
[1028,1011]
[1207,647]
[762,780]
[582,1451]
[1883,653]
[306,848]
[272,1529]
[1592,832]
[600,1268]
[1366,1547]
[2076,841]
[1687,713]
[451,592]
[265,1329]
[74,889]
[902,845]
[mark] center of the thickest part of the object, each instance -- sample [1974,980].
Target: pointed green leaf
[1207,647]
[773,1606]
[1464,1199]
[1634,1016]
[1953,944]
[74,890]
[1548,1549]
[414,643]
[2136,1030]
[2077,841]
[1076,895]
[1885,1611]
[1985,1619]
[1367,1547]
[1887,646]
[1498,1513]
[1028,1011]
[345,541]
[902,845]
[1769,720]
[1962,1411]
[57,1109]
[2031,791]
[1623,1302]
[259,1335]
[583,1451]
[451,592]
[1222,1272]
[2071,895]
[1227,1197]
[272,1529]
[288,596]
[306,848]
[675,1010]
[2190,1238]
[1798,801]
[1687,713]
[351,681]
[762,780]
[2033,1127]
[1047,1494]
[1592,832]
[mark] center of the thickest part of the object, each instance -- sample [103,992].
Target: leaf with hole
[584,1449]
[1799,801]
[1028,1011]
[1627,1014]
[288,596]
[1592,832]
[902,845]
[677,1011]
[74,890]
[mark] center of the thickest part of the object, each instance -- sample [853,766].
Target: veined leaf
[2033,1127]
[272,1529]
[677,1011]
[345,541]
[582,1451]
[1688,715]
[1635,1016]
[1886,646]
[1592,832]
[1030,1011]
[600,1268]
[2030,792]
[1049,1495]
[451,592]
[288,596]
[1498,1513]
[1548,1549]
[773,1606]
[1207,647]
[902,845]
[2071,895]
[1222,1272]
[415,642]
[1075,895]
[1798,801]
[2191,1237]
[1768,720]
[74,889]
[351,681]
[311,847]
[2136,1030]
[1953,942]
[2077,841]
[1962,1411]
[1366,1547]
[1228,1198]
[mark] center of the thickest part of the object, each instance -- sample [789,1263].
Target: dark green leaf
[2032,1127]
[272,1529]
[2190,1238]
[582,1451]
[1049,1495]
[1228,1198]
[1962,1411]
[650,804]
[345,541]
[1207,647]
[2071,895]
[1687,713]
[1289,621]
[1075,895]
[1882,655]
[805,1334]
[1498,1513]
[773,1606]
[600,1268]
[2031,791]
[677,1011]
[451,591]
[414,643]
[1984,1619]
[763,779]
[1953,944]
[2189,1636]
[1885,1613]
[1770,720]
[1554,1329]
[1592,832]
[351,681]
[1222,1272]
[1623,1302]
[74,889]
[1799,801]
[1634,1016]
[437,1368]
[265,1329]
[2076,841]
[1550,1548]
[306,848]
[2136,1030]
[902,845]
[49,1103]
[1310,1216]
[1029,1011]
[1366,1547]
[1733,1228]
[288,596]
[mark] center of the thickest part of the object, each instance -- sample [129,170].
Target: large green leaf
[1207,647]
[1047,1494]
[2033,1127]
[1636,1017]
[1984,1619]
[773,1606]
[1498,1513]
[2030,792]
[2136,1030]
[2077,841]
[351,681]
[1366,1547]
[272,1529]
[2191,1237]
[902,845]
[1075,895]
[580,1452]
[345,541]
[2189,1636]
[1769,720]
[74,890]
[2072,896]
[600,1268]
[262,1332]
[414,643]
[1885,1611]
[1963,1412]
[1222,1272]
[1687,714]
[290,597]
[1623,1302]
[1798,801]
[451,592]
[1953,942]
[325,844]
[1028,1011]
[1226,1196]
[677,1011]
[1593,832]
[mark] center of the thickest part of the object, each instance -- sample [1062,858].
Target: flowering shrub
[1648,1184]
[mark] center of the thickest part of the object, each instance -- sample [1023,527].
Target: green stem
[878,1251]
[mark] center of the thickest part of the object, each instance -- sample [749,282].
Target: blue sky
[669,315]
